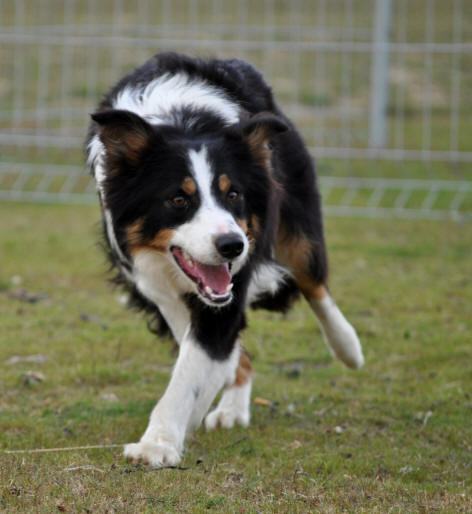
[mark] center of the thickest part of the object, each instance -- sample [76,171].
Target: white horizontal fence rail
[409,198]
[380,89]
[366,197]
[172,43]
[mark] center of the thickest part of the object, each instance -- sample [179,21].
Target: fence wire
[380,89]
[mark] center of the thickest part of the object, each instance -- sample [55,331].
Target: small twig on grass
[87,468]
[152,499]
[65,449]
[426,419]
[236,442]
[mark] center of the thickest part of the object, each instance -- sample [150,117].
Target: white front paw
[155,454]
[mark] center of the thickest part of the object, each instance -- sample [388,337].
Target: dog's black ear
[258,131]
[262,127]
[124,134]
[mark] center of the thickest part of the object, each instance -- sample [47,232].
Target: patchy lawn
[78,369]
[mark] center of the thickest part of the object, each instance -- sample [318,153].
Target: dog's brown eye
[179,201]
[233,195]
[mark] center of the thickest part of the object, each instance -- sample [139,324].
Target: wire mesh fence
[379,88]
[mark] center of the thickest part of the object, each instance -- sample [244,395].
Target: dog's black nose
[229,245]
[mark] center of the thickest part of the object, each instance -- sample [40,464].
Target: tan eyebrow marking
[224,183]
[189,186]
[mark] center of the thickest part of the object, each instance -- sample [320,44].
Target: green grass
[406,438]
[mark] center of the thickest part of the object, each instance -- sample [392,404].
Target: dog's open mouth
[213,281]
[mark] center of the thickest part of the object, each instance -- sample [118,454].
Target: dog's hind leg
[306,260]
[339,335]
[234,405]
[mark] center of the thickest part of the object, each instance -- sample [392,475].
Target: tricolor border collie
[210,205]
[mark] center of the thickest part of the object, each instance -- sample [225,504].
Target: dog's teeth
[188,259]
[208,290]
[229,287]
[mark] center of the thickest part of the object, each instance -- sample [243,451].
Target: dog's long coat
[209,204]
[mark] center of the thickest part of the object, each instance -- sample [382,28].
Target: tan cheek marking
[224,183]
[252,231]
[242,224]
[133,233]
[255,227]
[160,242]
[189,186]
[244,370]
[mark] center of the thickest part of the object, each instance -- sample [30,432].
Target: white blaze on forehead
[220,219]
[201,169]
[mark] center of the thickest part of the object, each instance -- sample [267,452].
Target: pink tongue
[216,277]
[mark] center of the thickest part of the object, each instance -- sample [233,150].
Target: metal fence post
[378,123]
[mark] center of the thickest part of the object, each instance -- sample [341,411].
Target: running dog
[210,205]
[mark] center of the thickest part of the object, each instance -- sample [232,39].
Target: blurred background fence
[381,89]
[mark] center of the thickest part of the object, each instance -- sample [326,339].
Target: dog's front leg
[196,380]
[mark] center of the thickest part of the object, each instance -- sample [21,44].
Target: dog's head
[196,199]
